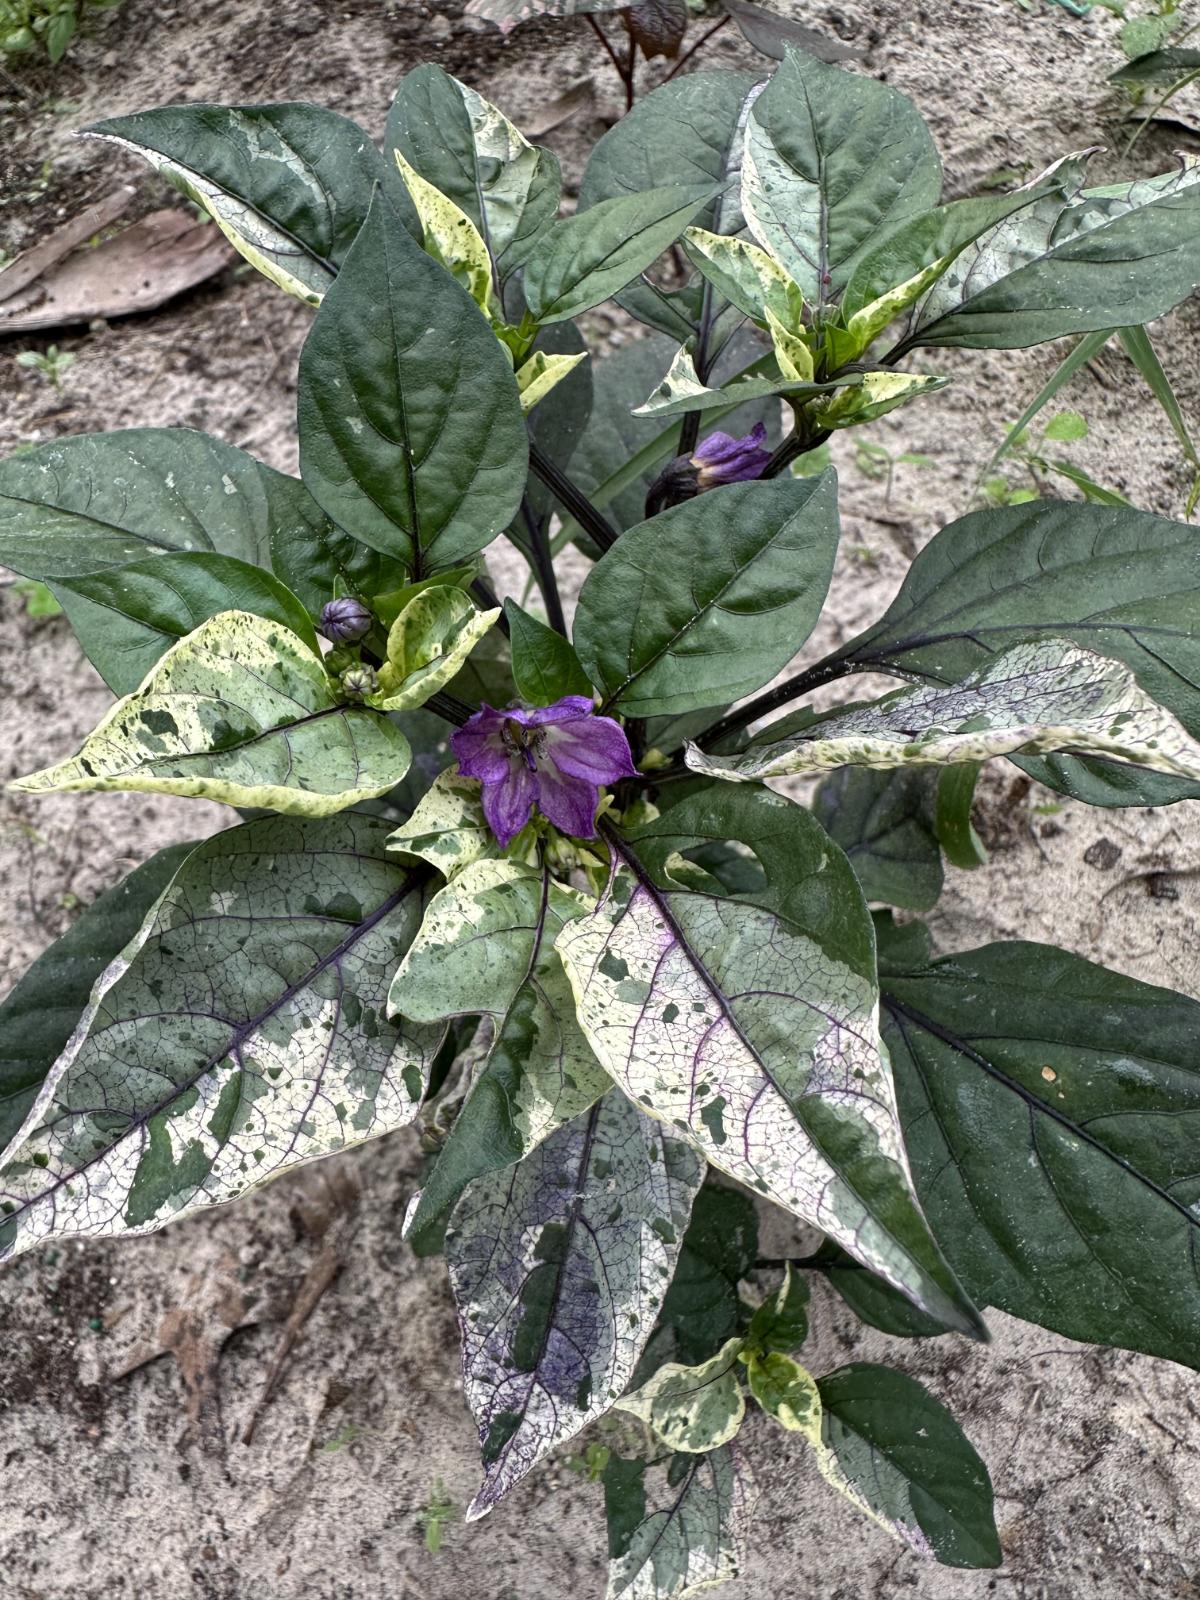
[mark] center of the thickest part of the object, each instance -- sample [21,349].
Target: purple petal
[723,459]
[479,747]
[569,803]
[569,709]
[507,805]
[595,749]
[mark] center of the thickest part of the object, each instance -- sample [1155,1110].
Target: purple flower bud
[346,620]
[722,459]
[359,682]
[555,757]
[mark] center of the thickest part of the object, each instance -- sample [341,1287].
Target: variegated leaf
[244,1030]
[1037,697]
[507,13]
[746,275]
[752,1021]
[486,947]
[451,237]
[876,395]
[695,1537]
[537,376]
[427,646]
[559,1267]
[1074,261]
[240,711]
[681,390]
[693,1408]
[469,149]
[787,1392]
[288,185]
[448,828]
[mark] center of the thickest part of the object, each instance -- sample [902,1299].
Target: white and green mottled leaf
[448,828]
[466,146]
[693,1408]
[694,1538]
[559,1267]
[792,351]
[288,185]
[451,237]
[787,1392]
[681,390]
[244,1030]
[746,275]
[541,373]
[1034,698]
[876,395]
[486,947]
[241,711]
[752,1022]
[507,13]
[427,646]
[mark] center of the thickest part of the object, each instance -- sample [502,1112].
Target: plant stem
[604,40]
[572,499]
[447,706]
[827,671]
[482,590]
[699,44]
[543,567]
[792,448]
[630,67]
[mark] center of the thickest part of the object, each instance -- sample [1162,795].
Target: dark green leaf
[883,821]
[908,1459]
[40,1014]
[104,499]
[126,617]
[1158,66]
[710,599]
[412,438]
[624,1501]
[1117,581]
[466,148]
[781,1322]
[545,667]
[831,161]
[1052,1112]
[702,1306]
[317,559]
[681,133]
[288,185]
[952,818]
[589,257]
[874,1301]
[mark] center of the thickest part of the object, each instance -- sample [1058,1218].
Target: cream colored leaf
[1034,698]
[240,711]
[427,646]
[693,1408]
[452,238]
[540,373]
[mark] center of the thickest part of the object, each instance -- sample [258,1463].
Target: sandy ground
[122,1474]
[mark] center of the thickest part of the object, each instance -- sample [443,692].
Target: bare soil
[133,1369]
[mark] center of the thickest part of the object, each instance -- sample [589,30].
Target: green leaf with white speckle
[448,828]
[244,1030]
[241,711]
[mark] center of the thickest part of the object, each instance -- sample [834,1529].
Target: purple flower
[722,459]
[555,757]
[346,620]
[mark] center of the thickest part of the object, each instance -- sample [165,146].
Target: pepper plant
[527,885]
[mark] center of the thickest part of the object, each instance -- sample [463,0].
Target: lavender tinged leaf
[243,1031]
[559,1267]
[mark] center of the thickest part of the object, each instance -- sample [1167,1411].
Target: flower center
[522,741]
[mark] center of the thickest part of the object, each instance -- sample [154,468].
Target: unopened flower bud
[360,682]
[346,620]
